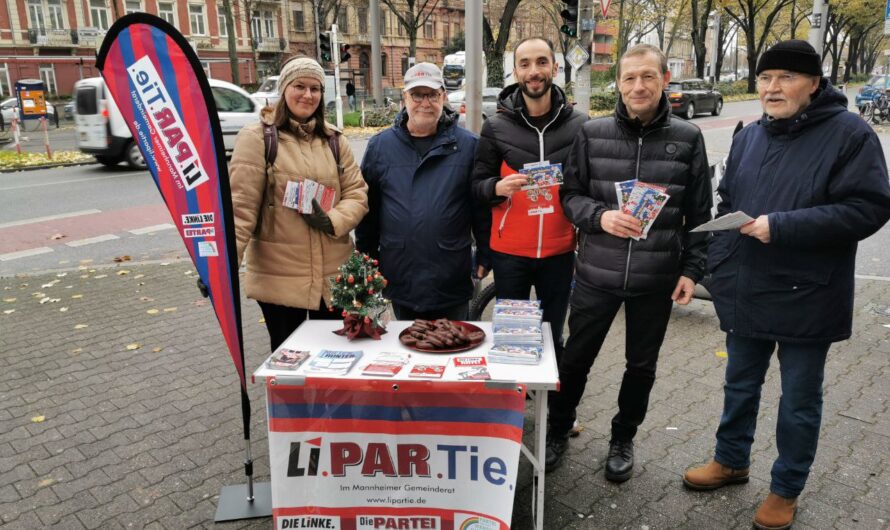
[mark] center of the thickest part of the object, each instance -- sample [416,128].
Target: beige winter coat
[289,262]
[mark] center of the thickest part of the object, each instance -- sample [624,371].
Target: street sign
[605,5]
[577,57]
[588,24]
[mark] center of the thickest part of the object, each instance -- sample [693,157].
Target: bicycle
[879,109]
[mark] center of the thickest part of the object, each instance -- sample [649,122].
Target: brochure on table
[315,336]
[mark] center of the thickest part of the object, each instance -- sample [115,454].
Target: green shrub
[352,119]
[734,88]
[377,117]
[603,101]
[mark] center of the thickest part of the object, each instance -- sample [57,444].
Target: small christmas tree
[358,292]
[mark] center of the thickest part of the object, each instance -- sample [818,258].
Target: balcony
[88,36]
[271,45]
[52,37]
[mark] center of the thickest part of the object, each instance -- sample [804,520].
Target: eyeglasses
[434,97]
[784,80]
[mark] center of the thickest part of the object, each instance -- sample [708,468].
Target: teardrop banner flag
[160,88]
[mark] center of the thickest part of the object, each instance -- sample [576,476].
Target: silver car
[456,100]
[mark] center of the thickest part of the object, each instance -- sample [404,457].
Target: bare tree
[755,18]
[701,11]
[495,46]
[412,16]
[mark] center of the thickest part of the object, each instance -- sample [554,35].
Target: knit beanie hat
[299,67]
[792,55]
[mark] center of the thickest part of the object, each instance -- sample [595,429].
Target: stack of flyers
[298,195]
[427,371]
[332,362]
[285,359]
[504,334]
[542,174]
[386,364]
[641,200]
[516,353]
[522,304]
[517,315]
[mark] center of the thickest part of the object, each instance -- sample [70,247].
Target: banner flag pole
[157,82]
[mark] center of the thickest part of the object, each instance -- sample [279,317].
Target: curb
[47,166]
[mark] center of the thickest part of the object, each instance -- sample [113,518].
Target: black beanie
[792,55]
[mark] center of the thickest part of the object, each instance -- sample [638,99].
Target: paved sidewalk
[145,438]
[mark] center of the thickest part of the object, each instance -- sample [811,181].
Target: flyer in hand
[641,200]
[333,362]
[542,174]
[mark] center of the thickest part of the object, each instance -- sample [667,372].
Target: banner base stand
[233,504]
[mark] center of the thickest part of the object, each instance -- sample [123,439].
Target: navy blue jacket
[421,213]
[821,178]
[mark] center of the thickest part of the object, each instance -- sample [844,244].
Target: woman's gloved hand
[318,219]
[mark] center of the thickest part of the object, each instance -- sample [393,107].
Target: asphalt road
[52,219]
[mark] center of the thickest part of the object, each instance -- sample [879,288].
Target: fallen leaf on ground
[46,482]
[122,273]
[721,354]
[84,275]
[146,299]
[164,264]
[77,350]
[262,321]
[9,300]
[100,276]
[76,296]
[138,276]
[8,311]
[152,311]
[119,259]
[61,275]
[85,261]
[38,295]
[38,419]
[57,236]
[50,284]
[134,346]
[63,309]
[91,271]
[64,261]
[81,326]
[44,300]
[156,350]
[189,273]
[199,303]
[169,309]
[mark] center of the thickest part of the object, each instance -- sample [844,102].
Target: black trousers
[460,312]
[589,321]
[281,320]
[551,277]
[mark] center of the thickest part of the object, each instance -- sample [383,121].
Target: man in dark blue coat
[814,178]
[420,207]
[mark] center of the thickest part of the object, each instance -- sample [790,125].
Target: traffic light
[325,45]
[344,53]
[570,18]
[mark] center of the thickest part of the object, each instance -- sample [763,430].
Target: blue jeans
[802,368]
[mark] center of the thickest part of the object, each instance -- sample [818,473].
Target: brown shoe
[776,513]
[713,475]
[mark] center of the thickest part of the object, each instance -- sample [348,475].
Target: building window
[48,76]
[429,29]
[99,14]
[196,20]
[362,15]
[383,64]
[133,6]
[299,18]
[4,81]
[56,19]
[223,27]
[35,16]
[165,11]
[343,20]
[446,28]
[268,24]
[404,64]
[205,65]
[383,23]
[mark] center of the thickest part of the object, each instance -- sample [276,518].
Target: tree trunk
[232,44]
[752,61]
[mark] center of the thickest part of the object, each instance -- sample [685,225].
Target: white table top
[317,335]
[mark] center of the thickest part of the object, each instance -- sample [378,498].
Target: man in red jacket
[532,242]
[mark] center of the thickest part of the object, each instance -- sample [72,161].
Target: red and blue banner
[158,84]
[374,455]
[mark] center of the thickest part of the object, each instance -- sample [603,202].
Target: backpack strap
[334,144]
[270,141]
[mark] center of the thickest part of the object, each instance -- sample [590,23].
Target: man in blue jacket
[420,208]
[814,178]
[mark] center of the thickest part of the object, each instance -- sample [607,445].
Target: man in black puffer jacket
[641,141]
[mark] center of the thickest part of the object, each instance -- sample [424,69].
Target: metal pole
[715,45]
[335,54]
[376,79]
[817,25]
[586,29]
[474,82]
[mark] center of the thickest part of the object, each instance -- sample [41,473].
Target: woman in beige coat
[290,256]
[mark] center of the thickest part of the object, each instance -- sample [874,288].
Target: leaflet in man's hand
[333,362]
[542,174]
[730,221]
[641,200]
[298,195]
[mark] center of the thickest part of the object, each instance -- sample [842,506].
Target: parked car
[267,93]
[101,130]
[9,109]
[689,97]
[870,92]
[457,101]
[68,110]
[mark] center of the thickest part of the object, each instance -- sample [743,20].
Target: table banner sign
[379,455]
[162,92]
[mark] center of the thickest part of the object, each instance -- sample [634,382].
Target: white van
[267,93]
[102,132]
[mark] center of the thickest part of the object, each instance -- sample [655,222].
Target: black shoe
[620,462]
[556,447]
